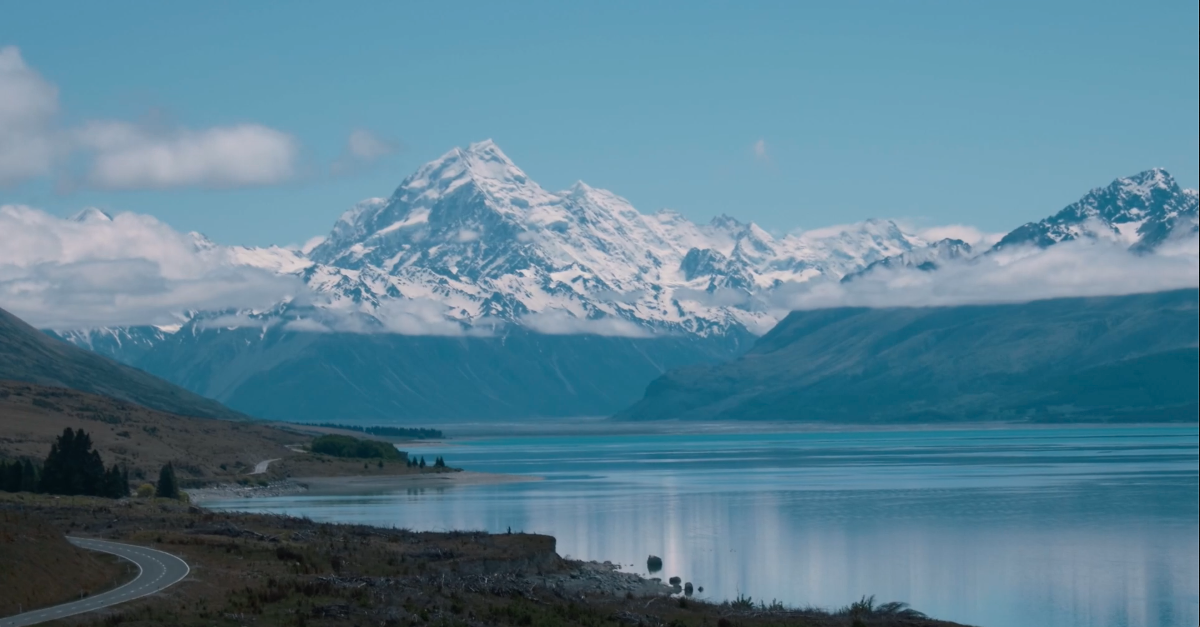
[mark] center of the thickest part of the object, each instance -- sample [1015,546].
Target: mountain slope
[319,377]
[1047,360]
[27,354]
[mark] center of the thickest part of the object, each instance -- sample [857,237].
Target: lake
[1087,527]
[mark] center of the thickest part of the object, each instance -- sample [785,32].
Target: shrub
[145,491]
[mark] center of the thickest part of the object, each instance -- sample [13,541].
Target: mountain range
[432,302]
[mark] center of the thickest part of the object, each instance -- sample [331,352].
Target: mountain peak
[1144,183]
[91,214]
[481,162]
[727,222]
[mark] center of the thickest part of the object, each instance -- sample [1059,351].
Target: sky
[259,123]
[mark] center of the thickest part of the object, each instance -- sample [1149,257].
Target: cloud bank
[126,270]
[1070,269]
[122,156]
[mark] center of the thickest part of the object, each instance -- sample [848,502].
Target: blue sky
[989,114]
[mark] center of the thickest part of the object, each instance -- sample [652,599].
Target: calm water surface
[1087,527]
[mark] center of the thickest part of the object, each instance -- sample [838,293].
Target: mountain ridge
[1026,361]
[29,355]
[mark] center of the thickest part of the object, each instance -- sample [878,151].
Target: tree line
[74,468]
[413,462]
[387,432]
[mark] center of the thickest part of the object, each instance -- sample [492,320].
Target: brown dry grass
[38,567]
[202,449]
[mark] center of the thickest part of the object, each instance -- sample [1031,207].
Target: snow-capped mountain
[926,259]
[1140,211]
[473,291]
[470,242]
[472,235]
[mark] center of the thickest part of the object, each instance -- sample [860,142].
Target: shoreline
[351,485]
[603,426]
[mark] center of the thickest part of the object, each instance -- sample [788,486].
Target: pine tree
[116,484]
[422,464]
[30,479]
[73,467]
[167,487]
[10,475]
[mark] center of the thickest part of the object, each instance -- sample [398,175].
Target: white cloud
[760,150]
[363,148]
[28,104]
[132,269]
[417,316]
[968,234]
[125,156]
[233,321]
[305,325]
[557,322]
[1077,268]
[720,297]
[368,146]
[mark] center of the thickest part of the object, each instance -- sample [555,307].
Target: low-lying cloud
[557,322]
[127,270]
[1070,269]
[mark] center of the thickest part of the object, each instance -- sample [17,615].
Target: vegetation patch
[347,446]
[387,432]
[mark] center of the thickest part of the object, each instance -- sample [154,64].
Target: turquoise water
[1092,527]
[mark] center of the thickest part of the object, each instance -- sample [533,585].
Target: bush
[346,446]
[145,491]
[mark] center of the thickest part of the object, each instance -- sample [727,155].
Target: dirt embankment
[251,569]
[38,567]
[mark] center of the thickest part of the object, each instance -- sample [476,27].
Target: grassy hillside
[38,567]
[1127,358]
[27,354]
[202,450]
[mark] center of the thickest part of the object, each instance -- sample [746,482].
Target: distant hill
[1121,358]
[27,354]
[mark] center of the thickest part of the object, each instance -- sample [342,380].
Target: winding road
[261,467]
[158,571]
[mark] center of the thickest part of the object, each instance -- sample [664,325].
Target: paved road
[261,467]
[158,571]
